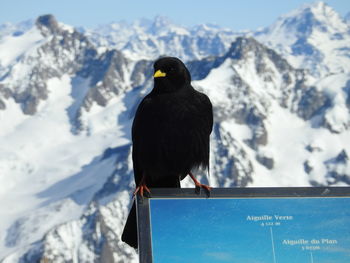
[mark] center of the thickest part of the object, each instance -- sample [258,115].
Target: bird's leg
[199,185]
[142,187]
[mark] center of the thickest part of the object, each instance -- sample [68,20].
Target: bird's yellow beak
[158,74]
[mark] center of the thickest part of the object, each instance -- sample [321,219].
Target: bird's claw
[205,187]
[198,186]
[141,189]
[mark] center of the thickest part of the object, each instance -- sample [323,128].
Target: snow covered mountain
[147,39]
[67,99]
[313,37]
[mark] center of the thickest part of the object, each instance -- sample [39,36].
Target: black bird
[170,134]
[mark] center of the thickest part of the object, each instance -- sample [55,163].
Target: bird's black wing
[207,108]
[138,127]
[204,125]
[129,234]
[173,130]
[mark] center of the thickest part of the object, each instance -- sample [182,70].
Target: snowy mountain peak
[248,49]
[318,7]
[150,39]
[326,15]
[163,26]
[313,37]
[49,25]
[310,17]
[242,46]
[161,22]
[15,29]
[38,57]
[48,21]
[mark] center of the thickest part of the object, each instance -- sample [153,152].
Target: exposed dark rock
[232,167]
[337,168]
[307,167]
[341,158]
[347,91]
[313,148]
[268,162]
[48,25]
[312,102]
[200,68]
[142,71]
[2,105]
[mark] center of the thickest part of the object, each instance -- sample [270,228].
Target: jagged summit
[159,24]
[242,46]
[303,22]
[314,16]
[47,20]
[306,37]
[313,37]
[48,24]
[150,39]
[242,50]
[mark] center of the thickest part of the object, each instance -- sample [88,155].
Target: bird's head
[170,74]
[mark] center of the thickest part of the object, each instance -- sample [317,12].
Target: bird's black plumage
[170,133]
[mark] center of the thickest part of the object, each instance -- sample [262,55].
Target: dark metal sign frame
[143,204]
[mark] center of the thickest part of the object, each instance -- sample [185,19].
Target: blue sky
[217,230]
[238,15]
